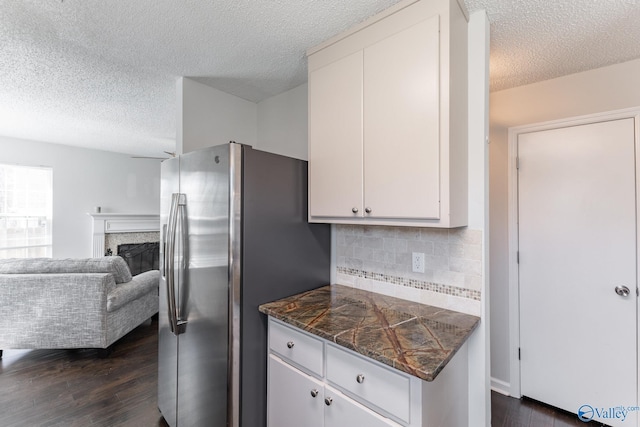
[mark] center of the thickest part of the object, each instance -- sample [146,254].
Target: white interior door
[577,243]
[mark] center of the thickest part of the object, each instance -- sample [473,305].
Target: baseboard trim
[500,386]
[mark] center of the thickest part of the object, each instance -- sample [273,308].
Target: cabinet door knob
[360,378]
[367,210]
[290,344]
[328,401]
[314,393]
[623,291]
[354,210]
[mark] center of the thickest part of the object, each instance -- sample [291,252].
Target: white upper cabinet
[401,117]
[388,120]
[337,99]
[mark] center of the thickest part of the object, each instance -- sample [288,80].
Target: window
[25,211]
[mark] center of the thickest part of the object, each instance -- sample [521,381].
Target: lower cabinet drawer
[300,348]
[368,382]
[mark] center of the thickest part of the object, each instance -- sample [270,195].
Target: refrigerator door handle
[178,202]
[164,251]
[182,221]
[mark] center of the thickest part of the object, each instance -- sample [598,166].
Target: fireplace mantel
[105,223]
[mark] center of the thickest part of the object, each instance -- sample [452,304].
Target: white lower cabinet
[340,411]
[297,399]
[315,383]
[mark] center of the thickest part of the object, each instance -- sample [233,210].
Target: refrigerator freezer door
[203,295]
[167,341]
[282,255]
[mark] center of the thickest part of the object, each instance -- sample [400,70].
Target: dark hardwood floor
[76,388]
[510,412]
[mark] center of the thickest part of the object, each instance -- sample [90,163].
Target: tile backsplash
[378,258]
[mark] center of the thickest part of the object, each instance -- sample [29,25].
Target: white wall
[600,90]
[282,123]
[207,116]
[83,179]
[350,252]
[479,356]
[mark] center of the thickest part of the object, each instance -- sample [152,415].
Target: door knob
[367,210]
[623,291]
[328,401]
[314,392]
[360,378]
[290,344]
[354,210]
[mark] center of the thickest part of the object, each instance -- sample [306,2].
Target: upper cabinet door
[335,132]
[388,117]
[401,124]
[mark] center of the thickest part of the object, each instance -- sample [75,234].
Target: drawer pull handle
[290,344]
[314,393]
[360,378]
[328,401]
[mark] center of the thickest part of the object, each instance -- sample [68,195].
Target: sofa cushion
[115,265]
[140,285]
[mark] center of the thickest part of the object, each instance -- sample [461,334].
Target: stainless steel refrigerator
[234,234]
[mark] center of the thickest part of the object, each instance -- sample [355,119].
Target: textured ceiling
[535,40]
[101,74]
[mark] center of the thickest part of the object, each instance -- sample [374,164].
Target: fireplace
[135,237]
[141,257]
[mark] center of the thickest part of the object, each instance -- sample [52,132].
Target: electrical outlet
[417,262]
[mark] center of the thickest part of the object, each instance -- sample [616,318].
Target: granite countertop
[414,338]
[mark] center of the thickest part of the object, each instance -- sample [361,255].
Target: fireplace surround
[111,230]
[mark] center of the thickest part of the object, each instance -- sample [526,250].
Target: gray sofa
[72,303]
